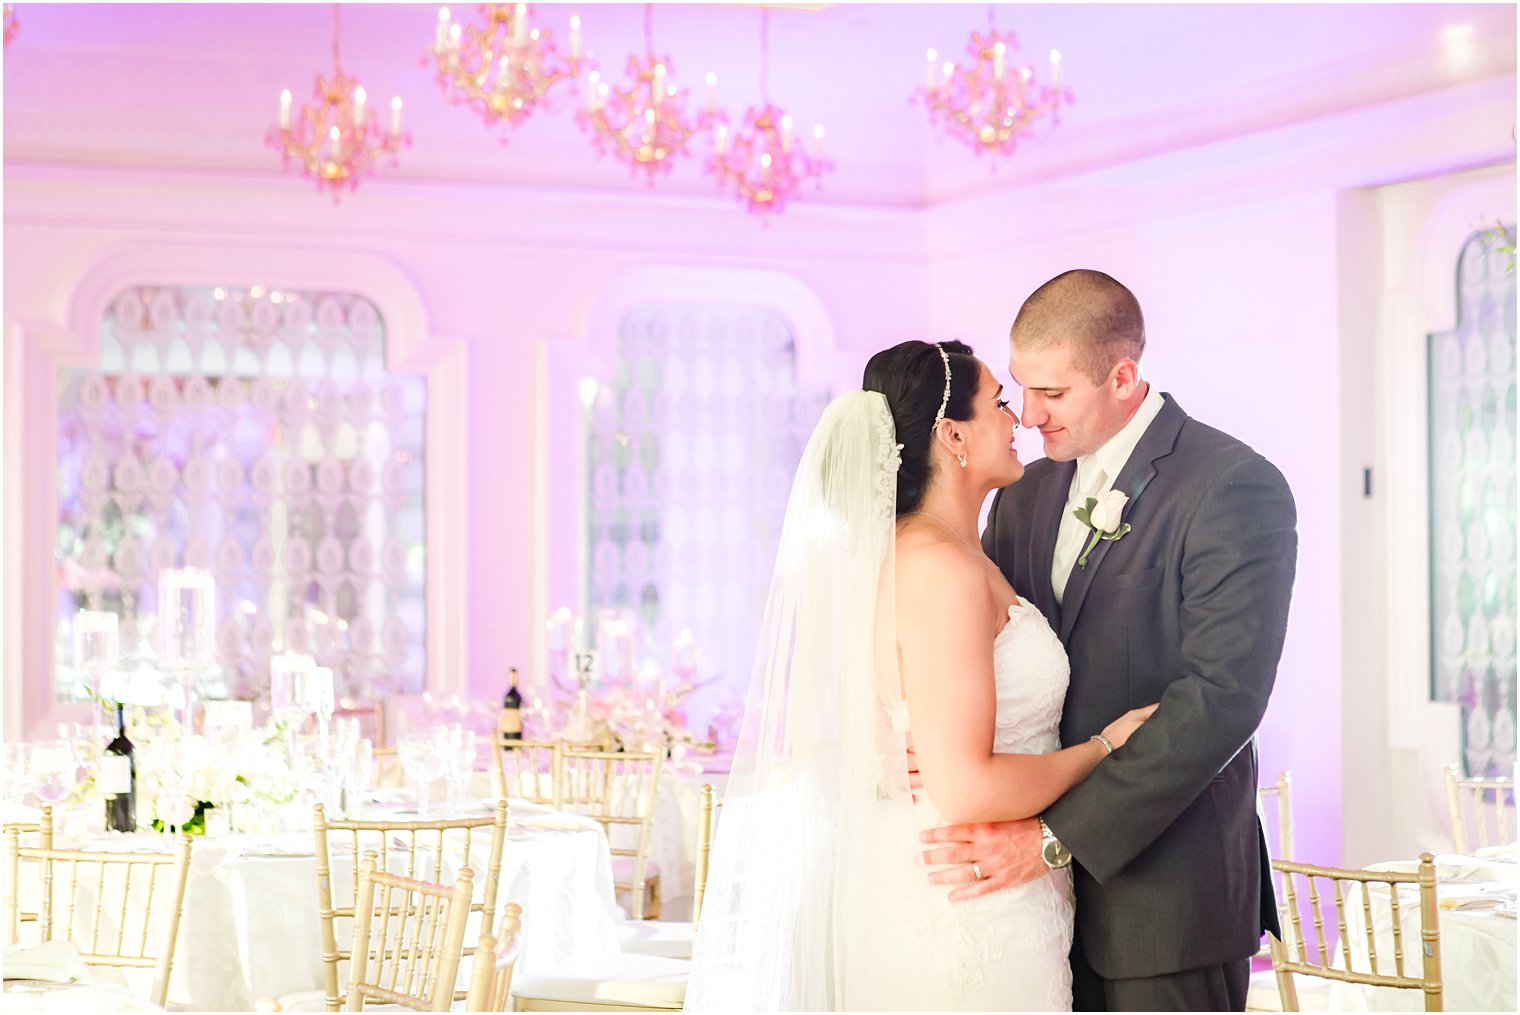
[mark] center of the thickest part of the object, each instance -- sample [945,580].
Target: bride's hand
[1118,731]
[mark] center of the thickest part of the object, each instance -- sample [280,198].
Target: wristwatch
[1052,852]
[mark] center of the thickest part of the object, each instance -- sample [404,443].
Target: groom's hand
[1006,853]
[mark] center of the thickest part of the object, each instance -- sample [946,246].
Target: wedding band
[976,870]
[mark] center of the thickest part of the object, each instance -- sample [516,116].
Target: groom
[1186,607]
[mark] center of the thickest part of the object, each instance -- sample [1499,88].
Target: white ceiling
[195,86]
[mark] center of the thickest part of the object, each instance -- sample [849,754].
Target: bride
[886,618]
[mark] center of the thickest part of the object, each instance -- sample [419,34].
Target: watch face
[1056,855]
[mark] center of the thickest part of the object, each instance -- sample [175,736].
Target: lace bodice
[1032,673]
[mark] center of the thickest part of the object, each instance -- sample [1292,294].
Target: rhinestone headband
[944,402]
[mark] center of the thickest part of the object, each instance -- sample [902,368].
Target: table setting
[1477,900]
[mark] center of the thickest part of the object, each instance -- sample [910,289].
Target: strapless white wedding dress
[1004,951]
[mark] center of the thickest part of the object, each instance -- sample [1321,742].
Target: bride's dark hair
[912,377]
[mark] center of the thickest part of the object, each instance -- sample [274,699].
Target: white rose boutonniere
[1102,515]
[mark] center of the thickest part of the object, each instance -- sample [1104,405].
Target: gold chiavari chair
[408,939]
[1293,956]
[653,969]
[1491,803]
[39,834]
[495,958]
[371,716]
[421,848]
[618,789]
[1274,807]
[526,769]
[669,938]
[388,770]
[117,929]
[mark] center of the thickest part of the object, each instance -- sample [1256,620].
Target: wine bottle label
[509,721]
[115,774]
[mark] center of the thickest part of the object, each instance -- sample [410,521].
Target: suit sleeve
[1238,561]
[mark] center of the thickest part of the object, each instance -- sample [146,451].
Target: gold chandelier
[989,104]
[644,125]
[764,165]
[336,138]
[503,70]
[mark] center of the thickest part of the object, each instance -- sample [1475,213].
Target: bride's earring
[961,459]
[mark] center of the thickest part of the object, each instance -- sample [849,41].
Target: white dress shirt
[1095,476]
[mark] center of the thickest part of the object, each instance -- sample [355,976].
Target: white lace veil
[818,752]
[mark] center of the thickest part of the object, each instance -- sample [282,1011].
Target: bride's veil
[819,751]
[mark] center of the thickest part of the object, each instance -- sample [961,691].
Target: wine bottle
[509,722]
[118,778]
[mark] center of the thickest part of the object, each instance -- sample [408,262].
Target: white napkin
[53,961]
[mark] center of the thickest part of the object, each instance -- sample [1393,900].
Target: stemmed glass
[54,770]
[360,770]
[423,760]
[286,701]
[459,759]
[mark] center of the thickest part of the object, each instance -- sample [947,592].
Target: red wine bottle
[509,722]
[118,778]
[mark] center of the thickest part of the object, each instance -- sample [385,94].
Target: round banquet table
[250,927]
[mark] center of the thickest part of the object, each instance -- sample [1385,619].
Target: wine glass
[54,770]
[459,757]
[360,770]
[423,760]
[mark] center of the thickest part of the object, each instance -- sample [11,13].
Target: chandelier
[12,23]
[502,70]
[991,105]
[764,165]
[645,124]
[336,138]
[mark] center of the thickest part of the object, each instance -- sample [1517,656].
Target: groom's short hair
[1091,312]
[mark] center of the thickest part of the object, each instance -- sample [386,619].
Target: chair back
[525,769]
[420,849]
[495,958]
[1361,894]
[1275,807]
[706,822]
[371,716]
[618,789]
[121,910]
[38,834]
[1487,804]
[408,939]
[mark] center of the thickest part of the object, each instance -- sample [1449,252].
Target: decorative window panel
[257,434]
[691,452]
[1472,507]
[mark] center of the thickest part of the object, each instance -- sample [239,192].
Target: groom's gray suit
[1188,609]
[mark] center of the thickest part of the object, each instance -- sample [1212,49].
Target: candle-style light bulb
[359,97]
[443,28]
[1055,68]
[575,37]
[396,116]
[929,71]
[285,109]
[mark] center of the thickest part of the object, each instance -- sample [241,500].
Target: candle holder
[186,629]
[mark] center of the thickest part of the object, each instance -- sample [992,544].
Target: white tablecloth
[250,927]
[1478,938]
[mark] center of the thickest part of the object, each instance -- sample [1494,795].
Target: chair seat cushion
[665,938]
[1313,993]
[648,980]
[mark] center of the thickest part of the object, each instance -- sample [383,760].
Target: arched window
[691,448]
[257,434]
[1472,504]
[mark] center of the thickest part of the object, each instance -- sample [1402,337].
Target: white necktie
[1072,536]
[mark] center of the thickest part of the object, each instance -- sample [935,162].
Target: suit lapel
[1155,444]
[1050,500]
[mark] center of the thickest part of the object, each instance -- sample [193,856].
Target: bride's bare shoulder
[928,562]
